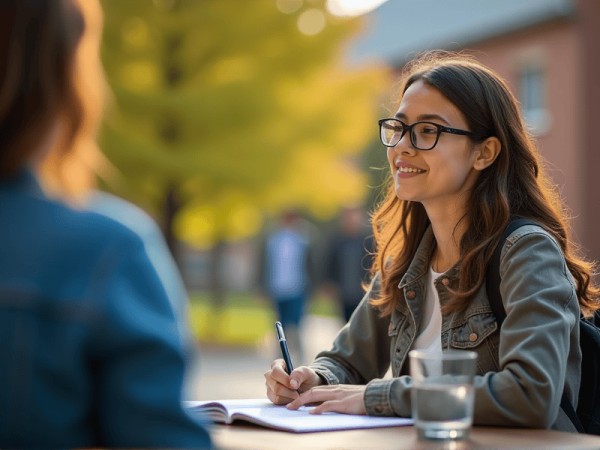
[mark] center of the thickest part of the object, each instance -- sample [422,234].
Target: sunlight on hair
[71,173]
[352,7]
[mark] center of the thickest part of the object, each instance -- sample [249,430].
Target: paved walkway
[225,372]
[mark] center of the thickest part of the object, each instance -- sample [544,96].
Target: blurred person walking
[348,260]
[94,351]
[286,274]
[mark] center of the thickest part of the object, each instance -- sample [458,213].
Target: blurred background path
[237,372]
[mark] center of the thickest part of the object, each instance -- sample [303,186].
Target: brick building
[547,50]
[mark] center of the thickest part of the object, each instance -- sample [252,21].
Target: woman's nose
[404,145]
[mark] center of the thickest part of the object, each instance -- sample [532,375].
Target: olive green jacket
[522,369]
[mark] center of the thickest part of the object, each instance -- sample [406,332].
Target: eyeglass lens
[423,135]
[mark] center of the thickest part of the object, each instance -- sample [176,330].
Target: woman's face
[442,177]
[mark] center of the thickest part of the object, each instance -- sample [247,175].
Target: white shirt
[429,337]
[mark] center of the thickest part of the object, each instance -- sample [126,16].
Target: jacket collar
[419,265]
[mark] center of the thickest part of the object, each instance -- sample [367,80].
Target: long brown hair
[51,84]
[514,185]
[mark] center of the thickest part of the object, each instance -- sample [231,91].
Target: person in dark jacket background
[349,259]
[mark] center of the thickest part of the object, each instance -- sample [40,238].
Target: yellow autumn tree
[224,110]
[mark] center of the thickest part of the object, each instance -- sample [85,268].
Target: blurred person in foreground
[94,351]
[348,259]
[462,165]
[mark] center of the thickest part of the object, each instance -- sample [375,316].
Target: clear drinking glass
[442,395]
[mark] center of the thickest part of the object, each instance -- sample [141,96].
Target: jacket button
[378,409]
[411,294]
[445,281]
[473,337]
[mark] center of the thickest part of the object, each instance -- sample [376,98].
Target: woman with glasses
[461,166]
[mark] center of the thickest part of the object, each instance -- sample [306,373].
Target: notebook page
[263,412]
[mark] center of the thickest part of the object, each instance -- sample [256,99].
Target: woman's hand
[283,388]
[342,398]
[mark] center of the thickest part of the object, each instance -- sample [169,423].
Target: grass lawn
[244,320]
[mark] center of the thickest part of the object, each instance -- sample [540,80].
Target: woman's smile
[406,170]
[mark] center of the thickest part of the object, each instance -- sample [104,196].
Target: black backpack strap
[588,408]
[492,284]
[567,407]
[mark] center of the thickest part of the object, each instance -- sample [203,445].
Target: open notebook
[263,412]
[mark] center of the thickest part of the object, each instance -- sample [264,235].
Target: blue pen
[284,348]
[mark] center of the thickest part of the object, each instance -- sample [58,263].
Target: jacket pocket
[478,333]
[473,331]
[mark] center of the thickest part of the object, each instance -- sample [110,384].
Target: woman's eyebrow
[422,117]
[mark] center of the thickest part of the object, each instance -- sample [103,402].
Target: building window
[532,95]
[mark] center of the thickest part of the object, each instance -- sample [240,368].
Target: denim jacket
[91,354]
[521,370]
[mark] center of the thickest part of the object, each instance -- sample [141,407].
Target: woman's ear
[487,153]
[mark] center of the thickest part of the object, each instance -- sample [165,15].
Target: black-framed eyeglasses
[423,135]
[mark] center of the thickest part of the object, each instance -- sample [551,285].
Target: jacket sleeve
[538,340]
[138,356]
[360,351]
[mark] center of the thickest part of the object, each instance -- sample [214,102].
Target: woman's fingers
[278,384]
[283,388]
[314,395]
[340,398]
[303,378]
[348,405]
[281,398]
[330,405]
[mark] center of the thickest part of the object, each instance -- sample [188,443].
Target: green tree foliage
[223,110]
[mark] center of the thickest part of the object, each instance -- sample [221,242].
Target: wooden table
[246,436]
